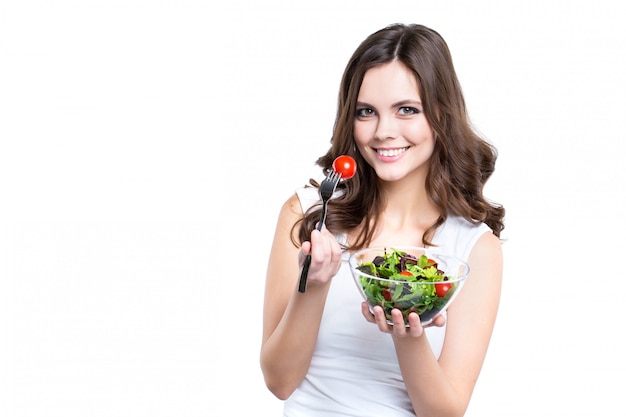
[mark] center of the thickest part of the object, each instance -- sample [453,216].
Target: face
[390,128]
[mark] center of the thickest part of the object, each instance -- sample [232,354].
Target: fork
[327,189]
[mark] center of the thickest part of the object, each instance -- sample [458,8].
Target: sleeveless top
[354,369]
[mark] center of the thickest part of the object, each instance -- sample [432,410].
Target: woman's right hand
[325,256]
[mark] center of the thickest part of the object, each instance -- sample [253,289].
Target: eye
[407,111]
[365,112]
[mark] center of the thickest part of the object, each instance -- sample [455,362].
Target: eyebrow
[400,103]
[406,102]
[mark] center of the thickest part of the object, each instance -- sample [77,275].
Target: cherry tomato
[345,165]
[442,289]
[406,273]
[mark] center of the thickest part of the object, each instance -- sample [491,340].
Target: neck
[408,212]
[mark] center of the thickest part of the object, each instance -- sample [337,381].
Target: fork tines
[333,176]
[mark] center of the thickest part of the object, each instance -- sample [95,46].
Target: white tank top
[354,370]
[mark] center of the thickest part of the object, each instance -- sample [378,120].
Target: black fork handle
[307,260]
[304,273]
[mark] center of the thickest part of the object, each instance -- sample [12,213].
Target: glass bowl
[409,278]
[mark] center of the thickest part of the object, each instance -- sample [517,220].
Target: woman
[420,176]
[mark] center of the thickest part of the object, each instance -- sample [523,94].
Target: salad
[408,283]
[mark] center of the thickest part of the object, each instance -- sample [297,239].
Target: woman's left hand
[398,329]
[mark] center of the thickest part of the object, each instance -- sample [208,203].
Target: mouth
[391,152]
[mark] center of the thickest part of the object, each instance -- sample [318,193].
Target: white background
[146,147]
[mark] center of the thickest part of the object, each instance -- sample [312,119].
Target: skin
[389,118]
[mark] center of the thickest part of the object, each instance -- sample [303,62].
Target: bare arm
[291,319]
[444,387]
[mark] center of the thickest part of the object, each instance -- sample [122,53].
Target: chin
[390,177]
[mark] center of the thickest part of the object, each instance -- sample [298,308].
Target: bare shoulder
[485,261]
[292,206]
[487,248]
[290,213]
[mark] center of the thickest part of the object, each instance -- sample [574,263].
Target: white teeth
[391,152]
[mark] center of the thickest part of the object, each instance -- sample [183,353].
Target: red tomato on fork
[345,166]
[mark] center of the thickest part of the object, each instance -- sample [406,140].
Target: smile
[391,152]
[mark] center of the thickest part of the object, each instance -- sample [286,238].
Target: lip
[391,154]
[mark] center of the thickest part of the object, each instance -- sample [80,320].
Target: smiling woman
[124,122]
[391,130]
[402,117]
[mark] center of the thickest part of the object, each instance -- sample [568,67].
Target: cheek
[362,139]
[420,133]
[360,133]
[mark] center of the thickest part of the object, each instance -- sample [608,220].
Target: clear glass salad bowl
[409,278]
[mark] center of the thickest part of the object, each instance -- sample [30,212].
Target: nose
[387,127]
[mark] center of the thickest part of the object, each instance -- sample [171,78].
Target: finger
[381,320]
[332,249]
[365,309]
[399,327]
[415,329]
[305,249]
[330,242]
[317,246]
[323,243]
[336,254]
[439,320]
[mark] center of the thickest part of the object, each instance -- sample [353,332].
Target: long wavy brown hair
[461,163]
